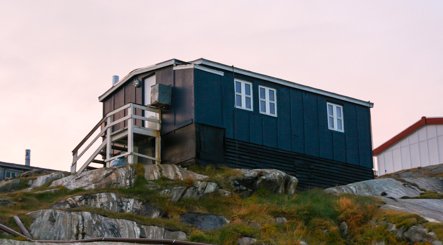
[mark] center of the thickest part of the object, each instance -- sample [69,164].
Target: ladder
[118,143]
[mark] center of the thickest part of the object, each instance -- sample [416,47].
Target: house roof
[213,64]
[408,131]
[21,166]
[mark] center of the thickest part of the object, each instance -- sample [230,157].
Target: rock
[378,187]
[170,171]
[11,185]
[280,220]
[246,241]
[98,178]
[205,222]
[46,179]
[430,209]
[111,202]
[199,189]
[275,181]
[433,184]
[437,243]
[303,242]
[35,172]
[418,233]
[53,224]
[343,228]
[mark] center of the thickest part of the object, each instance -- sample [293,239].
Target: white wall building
[419,145]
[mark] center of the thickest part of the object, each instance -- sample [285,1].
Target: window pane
[262,93]
[339,111]
[262,106]
[237,87]
[237,100]
[330,110]
[340,124]
[272,95]
[247,89]
[248,103]
[331,122]
[272,108]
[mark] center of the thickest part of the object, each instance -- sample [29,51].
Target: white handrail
[106,133]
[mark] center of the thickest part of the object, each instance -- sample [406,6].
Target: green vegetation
[312,216]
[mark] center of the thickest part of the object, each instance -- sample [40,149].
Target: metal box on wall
[161,95]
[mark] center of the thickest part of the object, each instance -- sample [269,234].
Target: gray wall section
[301,125]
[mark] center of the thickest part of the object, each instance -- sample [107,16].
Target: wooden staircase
[118,143]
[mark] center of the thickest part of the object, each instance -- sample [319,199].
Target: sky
[58,56]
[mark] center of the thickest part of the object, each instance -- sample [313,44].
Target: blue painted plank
[311,124]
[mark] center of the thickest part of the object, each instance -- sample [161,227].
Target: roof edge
[138,71]
[408,131]
[218,65]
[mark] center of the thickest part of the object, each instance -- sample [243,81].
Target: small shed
[419,145]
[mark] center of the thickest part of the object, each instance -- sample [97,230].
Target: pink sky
[57,57]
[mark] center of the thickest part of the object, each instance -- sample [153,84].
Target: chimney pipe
[115,79]
[28,157]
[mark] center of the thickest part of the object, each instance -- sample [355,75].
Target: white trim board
[281,82]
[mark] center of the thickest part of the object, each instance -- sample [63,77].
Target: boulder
[111,202]
[11,185]
[170,171]
[199,189]
[46,179]
[98,178]
[246,241]
[54,224]
[275,181]
[387,187]
[418,233]
[205,222]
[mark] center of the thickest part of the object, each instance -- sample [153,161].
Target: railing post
[158,141]
[74,162]
[108,141]
[131,135]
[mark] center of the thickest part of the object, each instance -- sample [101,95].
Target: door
[148,83]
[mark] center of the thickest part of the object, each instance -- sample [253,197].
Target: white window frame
[335,117]
[267,101]
[243,95]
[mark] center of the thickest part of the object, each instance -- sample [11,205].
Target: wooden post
[74,162]
[22,227]
[108,142]
[158,151]
[131,135]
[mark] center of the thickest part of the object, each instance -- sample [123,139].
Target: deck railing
[104,130]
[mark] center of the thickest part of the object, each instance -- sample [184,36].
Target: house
[419,145]
[12,170]
[214,113]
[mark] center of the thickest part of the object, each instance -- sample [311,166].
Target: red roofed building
[419,145]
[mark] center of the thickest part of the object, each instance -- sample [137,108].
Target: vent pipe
[28,157]
[115,80]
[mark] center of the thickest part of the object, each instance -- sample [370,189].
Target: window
[11,174]
[243,95]
[335,117]
[267,101]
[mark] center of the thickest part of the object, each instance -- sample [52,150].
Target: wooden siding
[301,125]
[310,171]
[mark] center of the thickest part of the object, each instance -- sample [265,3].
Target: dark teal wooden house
[224,115]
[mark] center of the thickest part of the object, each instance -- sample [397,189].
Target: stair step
[99,161]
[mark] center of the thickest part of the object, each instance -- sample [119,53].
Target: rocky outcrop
[430,209]
[53,224]
[378,187]
[11,185]
[98,178]
[432,184]
[46,179]
[199,189]
[111,202]
[170,171]
[275,181]
[205,222]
